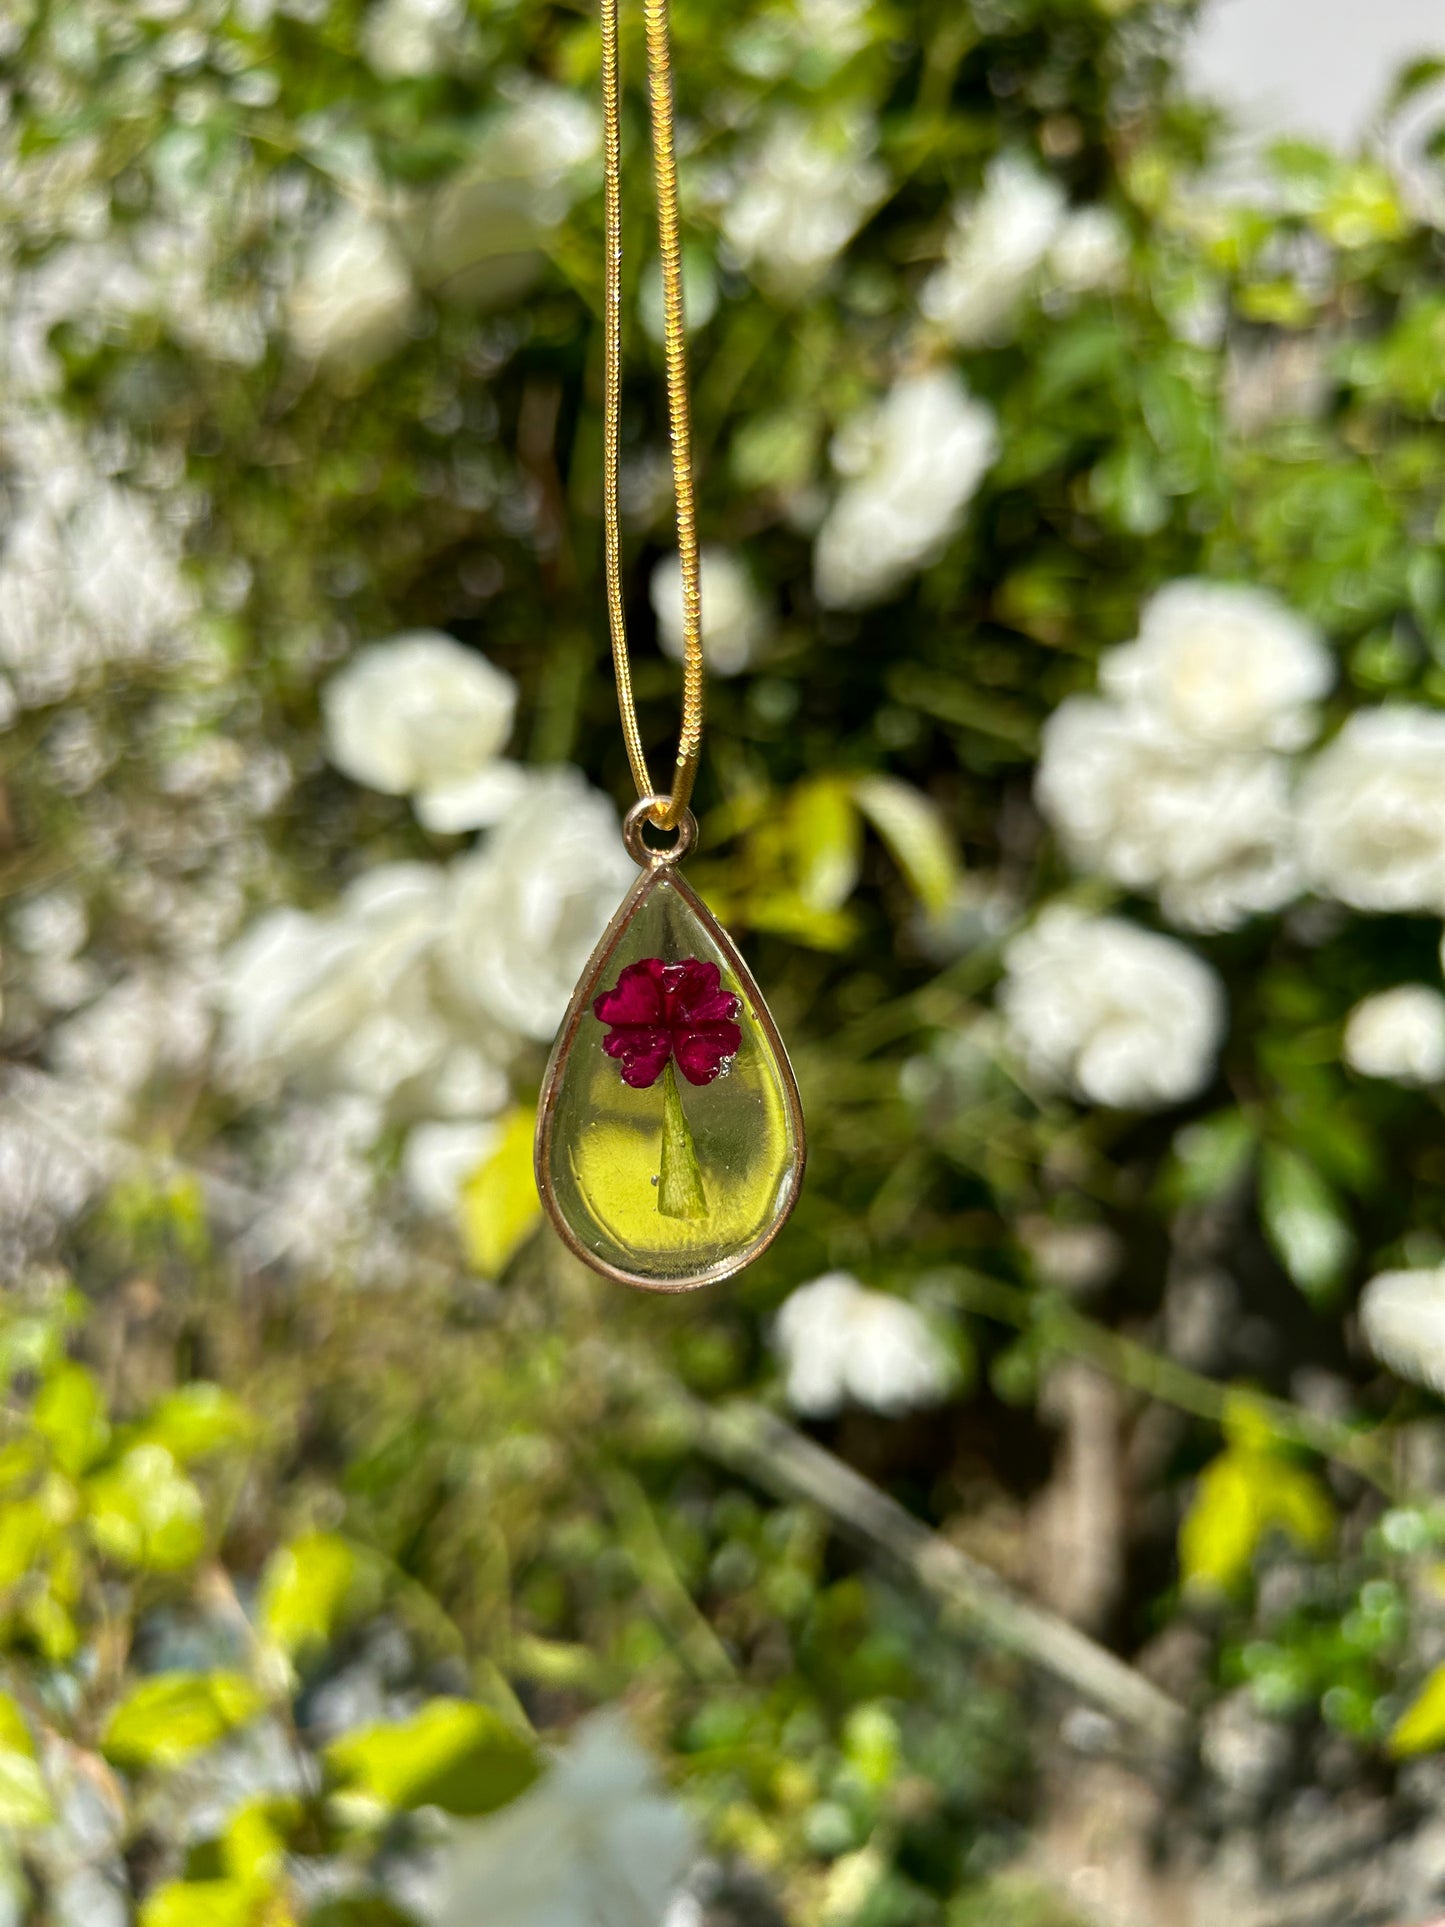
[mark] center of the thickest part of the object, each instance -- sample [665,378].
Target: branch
[749,1439]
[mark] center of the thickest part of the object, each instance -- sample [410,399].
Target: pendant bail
[643,853]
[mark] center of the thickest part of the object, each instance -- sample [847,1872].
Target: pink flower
[663,1010]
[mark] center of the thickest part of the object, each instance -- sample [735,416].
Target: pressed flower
[669,1012]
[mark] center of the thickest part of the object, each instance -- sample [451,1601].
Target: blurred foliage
[288,1564]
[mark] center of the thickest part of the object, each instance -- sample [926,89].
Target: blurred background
[1050,1528]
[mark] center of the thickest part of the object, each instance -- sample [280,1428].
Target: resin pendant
[669,1135]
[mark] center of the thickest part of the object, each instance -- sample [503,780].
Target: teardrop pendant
[670,1142]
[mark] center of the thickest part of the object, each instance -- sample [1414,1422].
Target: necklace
[670,1141]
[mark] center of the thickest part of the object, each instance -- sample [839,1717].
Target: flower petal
[643,1049]
[636,997]
[693,994]
[701,1050]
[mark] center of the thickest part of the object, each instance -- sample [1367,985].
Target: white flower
[89,570]
[1089,251]
[147,1022]
[1372,811]
[914,462]
[543,136]
[734,616]
[802,198]
[408,39]
[353,1001]
[1212,833]
[1223,666]
[421,716]
[996,247]
[596,1843]
[353,297]
[1399,1034]
[439,1157]
[836,29]
[56,1152]
[319,1182]
[1402,1318]
[527,909]
[838,1342]
[1110,1012]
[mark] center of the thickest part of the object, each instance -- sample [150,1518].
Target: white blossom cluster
[840,1343]
[1402,1321]
[1183,778]
[1398,1034]
[478,236]
[90,570]
[801,195]
[911,464]
[1110,1013]
[415,991]
[1017,234]
[1176,781]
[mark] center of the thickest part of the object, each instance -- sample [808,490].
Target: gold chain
[664,161]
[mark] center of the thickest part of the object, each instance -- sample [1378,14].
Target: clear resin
[670,1136]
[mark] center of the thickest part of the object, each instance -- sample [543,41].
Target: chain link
[664,160]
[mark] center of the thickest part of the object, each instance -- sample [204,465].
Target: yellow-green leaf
[454,1754]
[825,836]
[70,1416]
[208,1903]
[500,1206]
[305,1590]
[916,836]
[1421,1727]
[257,1835]
[197,1420]
[25,1527]
[144,1512]
[14,1733]
[167,1718]
[24,1797]
[1240,1498]
[785,914]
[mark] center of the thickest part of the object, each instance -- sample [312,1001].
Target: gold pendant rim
[662,865]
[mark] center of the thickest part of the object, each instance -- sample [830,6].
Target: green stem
[679,1185]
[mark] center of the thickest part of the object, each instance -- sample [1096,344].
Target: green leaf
[144,1512]
[14,1732]
[499,1202]
[1414,77]
[257,1837]
[916,837]
[70,1416]
[1309,1233]
[204,1903]
[1209,1157]
[167,1718]
[679,1184]
[454,1754]
[305,1590]
[826,841]
[359,1910]
[197,1420]
[26,1527]
[1421,1727]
